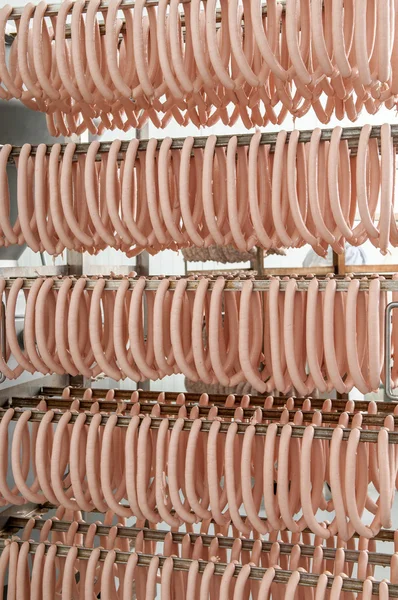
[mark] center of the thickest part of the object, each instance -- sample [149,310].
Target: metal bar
[183,564]
[297,270]
[123,394]
[53,9]
[172,410]
[351,134]
[231,285]
[387,350]
[158,535]
[384,535]
[323,433]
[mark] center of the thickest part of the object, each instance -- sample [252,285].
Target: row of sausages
[176,60]
[193,548]
[47,575]
[274,340]
[172,475]
[315,193]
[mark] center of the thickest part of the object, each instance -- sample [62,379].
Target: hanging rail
[384,535]
[231,285]
[351,134]
[53,9]
[158,535]
[53,394]
[323,433]
[183,564]
[172,410]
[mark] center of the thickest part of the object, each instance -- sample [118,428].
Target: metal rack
[351,134]
[53,9]
[231,285]
[171,410]
[13,524]
[322,433]
[183,564]
[52,396]
[17,517]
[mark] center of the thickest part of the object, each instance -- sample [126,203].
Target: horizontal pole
[351,134]
[171,410]
[30,510]
[322,433]
[158,535]
[54,394]
[167,397]
[183,564]
[231,285]
[53,9]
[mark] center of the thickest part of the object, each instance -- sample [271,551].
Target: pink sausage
[386,192]
[113,192]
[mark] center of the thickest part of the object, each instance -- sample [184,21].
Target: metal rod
[53,395]
[30,510]
[231,285]
[227,412]
[53,9]
[351,134]
[323,433]
[183,564]
[158,535]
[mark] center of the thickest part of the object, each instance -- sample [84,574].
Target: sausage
[277,175]
[128,195]
[175,331]
[10,233]
[143,471]
[56,473]
[93,463]
[152,192]
[215,234]
[273,519]
[11,335]
[66,186]
[113,192]
[351,336]
[173,479]
[244,337]
[131,467]
[92,194]
[23,199]
[351,459]
[4,368]
[91,54]
[306,493]
[109,495]
[41,208]
[78,444]
[386,190]
[289,341]
[199,507]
